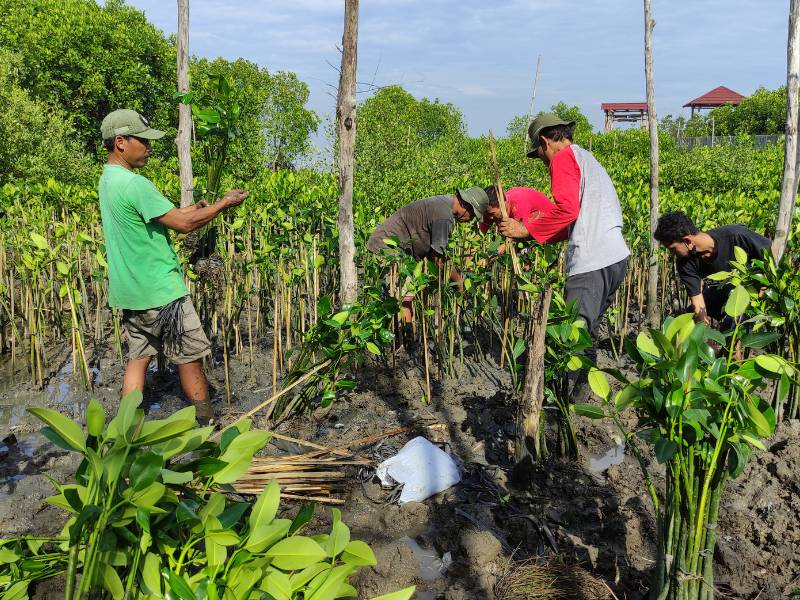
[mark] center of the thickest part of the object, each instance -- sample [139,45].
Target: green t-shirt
[143,270]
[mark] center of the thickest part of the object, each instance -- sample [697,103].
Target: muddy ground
[458,544]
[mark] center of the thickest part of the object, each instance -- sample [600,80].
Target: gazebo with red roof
[719,96]
[624,112]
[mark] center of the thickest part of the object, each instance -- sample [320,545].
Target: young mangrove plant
[152,516]
[703,415]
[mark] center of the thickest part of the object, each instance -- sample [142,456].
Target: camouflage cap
[128,122]
[476,197]
[541,122]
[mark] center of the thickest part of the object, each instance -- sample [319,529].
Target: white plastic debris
[422,468]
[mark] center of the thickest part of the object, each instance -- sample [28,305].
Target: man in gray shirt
[423,229]
[587,213]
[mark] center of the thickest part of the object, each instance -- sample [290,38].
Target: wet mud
[459,544]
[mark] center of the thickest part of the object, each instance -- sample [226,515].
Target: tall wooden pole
[653,314]
[791,158]
[346,132]
[184,138]
[533,103]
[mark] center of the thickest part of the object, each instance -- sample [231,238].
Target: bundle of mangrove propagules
[314,476]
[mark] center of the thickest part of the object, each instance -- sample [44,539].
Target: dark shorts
[145,338]
[594,291]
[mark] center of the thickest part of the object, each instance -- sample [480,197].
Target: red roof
[623,106]
[717,97]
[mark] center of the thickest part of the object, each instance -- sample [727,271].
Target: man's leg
[135,373]
[195,388]
[187,354]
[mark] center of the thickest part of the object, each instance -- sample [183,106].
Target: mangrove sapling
[703,416]
[151,517]
[774,308]
[341,339]
[567,341]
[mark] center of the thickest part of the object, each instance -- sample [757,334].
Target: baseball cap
[476,197]
[541,122]
[128,122]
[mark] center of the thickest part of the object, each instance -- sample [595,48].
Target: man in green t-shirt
[145,278]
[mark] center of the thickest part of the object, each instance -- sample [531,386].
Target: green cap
[541,122]
[476,197]
[128,122]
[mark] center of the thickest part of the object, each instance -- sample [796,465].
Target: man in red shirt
[523,204]
[586,209]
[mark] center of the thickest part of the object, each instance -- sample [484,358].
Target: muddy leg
[135,373]
[195,388]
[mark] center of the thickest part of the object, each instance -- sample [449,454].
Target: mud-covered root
[550,580]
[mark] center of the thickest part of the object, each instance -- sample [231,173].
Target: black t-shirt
[694,269]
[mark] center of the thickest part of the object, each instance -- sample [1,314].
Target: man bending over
[703,253]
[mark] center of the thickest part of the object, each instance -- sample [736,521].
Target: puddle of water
[613,456]
[64,393]
[430,566]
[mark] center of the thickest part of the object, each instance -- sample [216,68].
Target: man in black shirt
[703,253]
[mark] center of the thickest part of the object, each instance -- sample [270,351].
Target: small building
[624,112]
[719,96]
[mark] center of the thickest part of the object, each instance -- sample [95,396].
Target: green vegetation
[152,515]
[703,415]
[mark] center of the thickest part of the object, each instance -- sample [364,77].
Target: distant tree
[287,123]
[89,59]
[394,127]
[674,126]
[37,141]
[517,126]
[763,113]
[275,124]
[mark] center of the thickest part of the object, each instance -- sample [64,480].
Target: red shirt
[565,183]
[524,204]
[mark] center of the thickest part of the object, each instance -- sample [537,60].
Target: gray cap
[476,197]
[541,122]
[128,122]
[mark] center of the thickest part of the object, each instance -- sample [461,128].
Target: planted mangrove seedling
[703,416]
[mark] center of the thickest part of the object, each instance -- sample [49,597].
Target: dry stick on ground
[272,399]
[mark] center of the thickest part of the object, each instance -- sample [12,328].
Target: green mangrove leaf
[599,383]
[67,429]
[646,344]
[588,410]
[266,507]
[304,515]
[338,540]
[151,568]
[266,535]
[296,552]
[359,554]
[112,583]
[738,301]
[665,449]
[298,580]
[404,594]
[145,470]
[95,418]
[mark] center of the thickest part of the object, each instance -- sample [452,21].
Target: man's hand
[699,309]
[234,197]
[513,229]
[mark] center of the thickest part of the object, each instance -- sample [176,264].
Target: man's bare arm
[190,218]
[699,309]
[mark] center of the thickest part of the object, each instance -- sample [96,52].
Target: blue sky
[481,55]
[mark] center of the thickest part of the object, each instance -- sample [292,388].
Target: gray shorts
[145,338]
